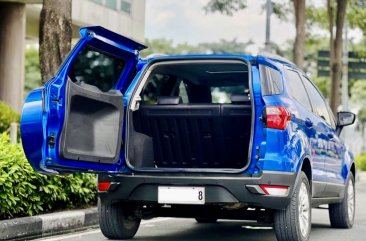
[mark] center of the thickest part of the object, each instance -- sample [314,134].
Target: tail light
[277,117]
[103,186]
[273,190]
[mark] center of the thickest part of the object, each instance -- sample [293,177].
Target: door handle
[308,122]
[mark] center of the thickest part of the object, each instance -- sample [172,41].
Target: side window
[96,68]
[332,119]
[297,90]
[271,81]
[320,107]
[183,92]
[159,85]
[222,94]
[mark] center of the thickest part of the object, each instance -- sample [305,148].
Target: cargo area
[193,115]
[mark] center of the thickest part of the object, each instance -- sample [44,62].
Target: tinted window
[271,81]
[332,119]
[96,68]
[297,90]
[160,85]
[319,105]
[222,94]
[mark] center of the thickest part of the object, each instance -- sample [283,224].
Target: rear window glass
[271,81]
[96,68]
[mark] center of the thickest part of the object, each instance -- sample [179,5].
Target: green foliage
[323,84]
[358,92]
[357,14]
[316,17]
[32,78]
[361,161]
[227,7]
[165,46]
[25,192]
[7,116]
[361,124]
[225,46]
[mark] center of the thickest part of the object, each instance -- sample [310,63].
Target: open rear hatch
[75,122]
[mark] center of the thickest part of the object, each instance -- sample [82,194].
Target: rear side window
[297,90]
[271,81]
[222,94]
[319,105]
[160,85]
[96,68]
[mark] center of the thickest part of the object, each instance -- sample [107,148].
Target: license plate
[181,195]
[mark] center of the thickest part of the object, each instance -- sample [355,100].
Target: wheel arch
[353,169]
[306,168]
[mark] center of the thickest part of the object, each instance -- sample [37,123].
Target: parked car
[200,136]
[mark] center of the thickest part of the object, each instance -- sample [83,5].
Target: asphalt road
[171,229]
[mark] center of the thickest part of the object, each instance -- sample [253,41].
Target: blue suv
[199,136]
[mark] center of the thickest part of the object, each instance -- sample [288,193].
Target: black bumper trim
[219,189]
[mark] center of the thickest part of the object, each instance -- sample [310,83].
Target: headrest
[169,100]
[240,99]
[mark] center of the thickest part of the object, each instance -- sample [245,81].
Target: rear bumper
[226,189]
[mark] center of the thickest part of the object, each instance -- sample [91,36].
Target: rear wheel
[294,223]
[118,221]
[342,214]
[206,220]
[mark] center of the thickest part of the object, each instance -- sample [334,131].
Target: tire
[206,220]
[118,221]
[294,223]
[342,215]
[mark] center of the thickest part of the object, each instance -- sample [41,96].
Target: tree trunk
[55,35]
[336,57]
[298,48]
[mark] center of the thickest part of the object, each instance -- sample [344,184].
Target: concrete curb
[48,224]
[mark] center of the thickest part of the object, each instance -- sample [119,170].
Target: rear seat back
[236,122]
[197,135]
[183,135]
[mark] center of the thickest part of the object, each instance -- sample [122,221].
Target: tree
[165,46]
[336,44]
[299,44]
[225,46]
[357,14]
[55,35]
[228,7]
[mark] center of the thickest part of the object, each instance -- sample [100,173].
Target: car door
[75,122]
[334,161]
[311,125]
[330,146]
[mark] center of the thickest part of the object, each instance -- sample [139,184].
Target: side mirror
[344,118]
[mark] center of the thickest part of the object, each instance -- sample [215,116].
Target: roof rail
[276,57]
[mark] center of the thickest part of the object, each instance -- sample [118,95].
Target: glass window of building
[125,6]
[112,4]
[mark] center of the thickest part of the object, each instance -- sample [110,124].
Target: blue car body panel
[271,149]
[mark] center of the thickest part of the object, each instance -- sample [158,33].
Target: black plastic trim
[223,189]
[112,100]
